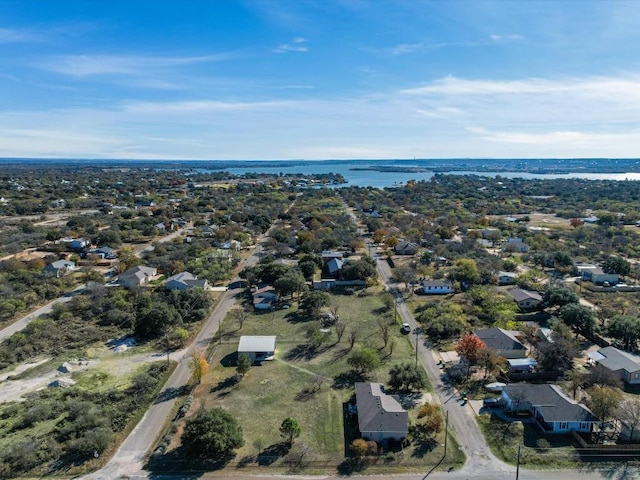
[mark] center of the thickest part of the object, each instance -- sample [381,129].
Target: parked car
[491,403]
[286,306]
[406,328]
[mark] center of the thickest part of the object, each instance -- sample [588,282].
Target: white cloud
[297,45]
[11,35]
[90,65]
[506,38]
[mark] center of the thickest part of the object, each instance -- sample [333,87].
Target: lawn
[285,386]
[536,450]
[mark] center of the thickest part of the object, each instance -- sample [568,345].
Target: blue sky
[322,79]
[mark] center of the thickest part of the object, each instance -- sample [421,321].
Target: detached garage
[258,347]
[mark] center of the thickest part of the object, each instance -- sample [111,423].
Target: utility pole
[518,463]
[446,433]
[417,336]
[395,308]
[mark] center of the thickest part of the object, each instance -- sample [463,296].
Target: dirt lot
[106,364]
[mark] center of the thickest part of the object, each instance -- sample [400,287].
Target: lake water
[373,178]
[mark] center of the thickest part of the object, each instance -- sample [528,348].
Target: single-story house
[184,281]
[327,255]
[105,252]
[593,273]
[526,299]
[521,365]
[334,266]
[625,364]
[507,278]
[161,227]
[76,243]
[503,342]
[59,268]
[553,411]
[436,287]
[601,278]
[515,244]
[136,276]
[208,230]
[264,298]
[406,248]
[380,416]
[258,347]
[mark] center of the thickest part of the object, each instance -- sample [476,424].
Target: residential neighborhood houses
[337,302]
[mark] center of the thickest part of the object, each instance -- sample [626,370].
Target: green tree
[244,364]
[312,303]
[364,360]
[603,401]
[619,265]
[213,433]
[558,297]
[580,318]
[465,270]
[625,328]
[292,282]
[290,429]
[407,377]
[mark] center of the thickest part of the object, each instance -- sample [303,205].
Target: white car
[406,328]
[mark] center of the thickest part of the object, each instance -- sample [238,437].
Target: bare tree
[341,327]
[333,308]
[353,336]
[317,382]
[392,345]
[240,315]
[629,414]
[384,331]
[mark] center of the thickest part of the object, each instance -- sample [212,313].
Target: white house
[258,347]
[436,287]
[507,278]
[552,410]
[380,416]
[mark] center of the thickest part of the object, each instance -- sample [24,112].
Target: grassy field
[284,387]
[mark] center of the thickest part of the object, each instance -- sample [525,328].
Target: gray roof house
[553,411]
[334,265]
[503,342]
[59,268]
[507,278]
[380,416]
[258,347]
[184,281]
[264,298]
[136,276]
[406,248]
[525,299]
[625,364]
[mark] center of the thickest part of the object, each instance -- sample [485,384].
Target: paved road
[130,457]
